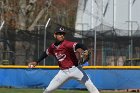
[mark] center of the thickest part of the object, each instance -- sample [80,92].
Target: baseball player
[68,61]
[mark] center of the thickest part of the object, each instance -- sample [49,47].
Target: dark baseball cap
[60,29]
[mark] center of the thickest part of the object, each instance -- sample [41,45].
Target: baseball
[31,66]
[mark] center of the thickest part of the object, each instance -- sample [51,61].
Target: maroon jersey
[64,53]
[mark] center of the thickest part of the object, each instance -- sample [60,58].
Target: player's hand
[32,64]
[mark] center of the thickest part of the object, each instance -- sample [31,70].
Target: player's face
[59,36]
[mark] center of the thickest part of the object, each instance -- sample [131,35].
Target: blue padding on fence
[103,79]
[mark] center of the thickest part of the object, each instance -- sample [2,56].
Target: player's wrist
[36,61]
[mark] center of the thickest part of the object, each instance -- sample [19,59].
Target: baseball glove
[85,56]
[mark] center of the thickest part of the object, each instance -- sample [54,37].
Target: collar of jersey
[57,44]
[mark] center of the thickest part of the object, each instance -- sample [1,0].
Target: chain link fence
[18,47]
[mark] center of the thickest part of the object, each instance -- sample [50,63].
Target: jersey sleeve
[71,45]
[49,51]
[82,46]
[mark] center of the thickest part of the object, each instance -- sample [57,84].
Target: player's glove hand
[85,56]
[32,64]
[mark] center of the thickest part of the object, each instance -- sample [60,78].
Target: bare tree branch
[41,13]
[30,6]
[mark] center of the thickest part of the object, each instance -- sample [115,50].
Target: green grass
[14,90]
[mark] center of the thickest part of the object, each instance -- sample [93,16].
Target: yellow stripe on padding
[19,66]
[85,67]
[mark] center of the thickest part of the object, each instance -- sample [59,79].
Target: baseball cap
[60,29]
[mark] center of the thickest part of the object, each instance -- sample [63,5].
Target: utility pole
[38,41]
[130,34]
[1,15]
[45,35]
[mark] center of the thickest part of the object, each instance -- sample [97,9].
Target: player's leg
[84,79]
[57,81]
[90,86]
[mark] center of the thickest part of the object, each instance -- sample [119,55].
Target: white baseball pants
[71,73]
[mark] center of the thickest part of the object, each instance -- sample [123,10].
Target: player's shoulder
[51,45]
[69,43]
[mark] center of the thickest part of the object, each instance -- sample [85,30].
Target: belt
[69,67]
